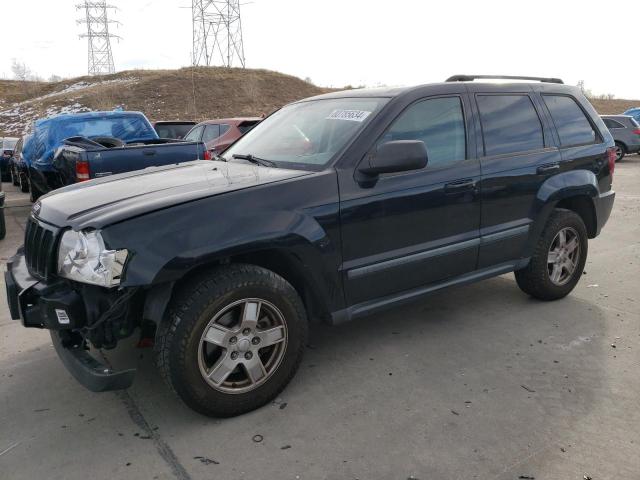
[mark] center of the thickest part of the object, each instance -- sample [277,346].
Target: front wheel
[233,339]
[558,259]
[620,151]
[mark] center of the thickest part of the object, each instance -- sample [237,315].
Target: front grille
[39,249]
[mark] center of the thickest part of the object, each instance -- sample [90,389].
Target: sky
[353,42]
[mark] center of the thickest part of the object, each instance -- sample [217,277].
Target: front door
[420,227]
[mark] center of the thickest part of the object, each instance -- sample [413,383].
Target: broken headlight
[82,256]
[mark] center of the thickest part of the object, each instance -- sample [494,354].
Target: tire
[6,176]
[621,151]
[34,192]
[15,179]
[536,278]
[181,350]
[24,182]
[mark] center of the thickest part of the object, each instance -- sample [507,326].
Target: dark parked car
[332,208]
[18,166]
[76,147]
[626,133]
[173,129]
[219,134]
[7,145]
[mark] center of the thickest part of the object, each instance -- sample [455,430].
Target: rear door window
[439,123]
[571,123]
[211,132]
[510,124]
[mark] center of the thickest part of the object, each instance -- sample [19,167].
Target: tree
[55,78]
[20,70]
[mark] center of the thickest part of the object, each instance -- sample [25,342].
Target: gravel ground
[474,382]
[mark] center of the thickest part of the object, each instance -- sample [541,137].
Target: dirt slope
[189,93]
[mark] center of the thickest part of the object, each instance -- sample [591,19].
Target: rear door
[420,227]
[517,154]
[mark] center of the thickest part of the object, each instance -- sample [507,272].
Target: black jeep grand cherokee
[334,207]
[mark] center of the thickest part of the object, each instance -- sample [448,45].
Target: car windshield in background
[173,131]
[127,128]
[8,144]
[306,133]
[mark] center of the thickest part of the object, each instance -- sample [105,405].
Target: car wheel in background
[620,151]
[15,179]
[34,192]
[233,339]
[24,182]
[558,259]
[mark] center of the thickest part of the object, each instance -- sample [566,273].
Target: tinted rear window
[246,126]
[510,124]
[173,130]
[570,121]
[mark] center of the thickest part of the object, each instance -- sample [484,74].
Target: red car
[219,134]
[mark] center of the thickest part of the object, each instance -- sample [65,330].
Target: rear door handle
[548,168]
[460,186]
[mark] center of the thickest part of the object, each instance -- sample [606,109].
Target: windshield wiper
[255,160]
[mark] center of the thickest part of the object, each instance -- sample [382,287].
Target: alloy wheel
[242,345]
[563,256]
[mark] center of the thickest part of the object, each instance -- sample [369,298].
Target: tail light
[82,170]
[637,131]
[611,156]
[207,155]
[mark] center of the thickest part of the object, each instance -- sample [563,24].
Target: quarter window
[570,121]
[439,123]
[510,124]
[612,123]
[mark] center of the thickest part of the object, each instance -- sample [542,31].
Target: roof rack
[470,78]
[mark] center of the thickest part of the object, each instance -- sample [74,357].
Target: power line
[217,33]
[100,57]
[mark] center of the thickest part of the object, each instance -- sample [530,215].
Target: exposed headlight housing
[82,256]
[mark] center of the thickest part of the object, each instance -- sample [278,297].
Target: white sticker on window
[351,115]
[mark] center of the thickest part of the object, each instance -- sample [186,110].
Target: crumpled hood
[107,200]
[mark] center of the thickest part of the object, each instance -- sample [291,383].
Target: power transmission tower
[217,33]
[98,35]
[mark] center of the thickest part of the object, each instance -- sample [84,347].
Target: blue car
[50,133]
[634,112]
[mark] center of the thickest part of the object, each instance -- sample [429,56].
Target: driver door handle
[460,186]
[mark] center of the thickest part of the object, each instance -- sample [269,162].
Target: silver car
[626,133]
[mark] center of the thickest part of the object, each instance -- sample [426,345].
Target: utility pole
[100,58]
[217,33]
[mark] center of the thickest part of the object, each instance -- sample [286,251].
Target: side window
[612,123]
[570,121]
[211,132]
[510,124]
[194,135]
[439,123]
[224,129]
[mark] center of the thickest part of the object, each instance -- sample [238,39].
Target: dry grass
[189,93]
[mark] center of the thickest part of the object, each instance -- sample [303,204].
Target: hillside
[189,93]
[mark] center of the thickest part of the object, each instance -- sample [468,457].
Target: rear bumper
[603,204]
[59,308]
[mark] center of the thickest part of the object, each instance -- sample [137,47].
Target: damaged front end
[77,314]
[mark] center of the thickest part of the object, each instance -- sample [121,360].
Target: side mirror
[395,156]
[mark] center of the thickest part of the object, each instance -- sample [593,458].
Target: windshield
[8,143]
[307,133]
[173,130]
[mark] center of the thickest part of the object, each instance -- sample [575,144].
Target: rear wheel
[35,192]
[15,179]
[23,180]
[621,151]
[558,260]
[232,341]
